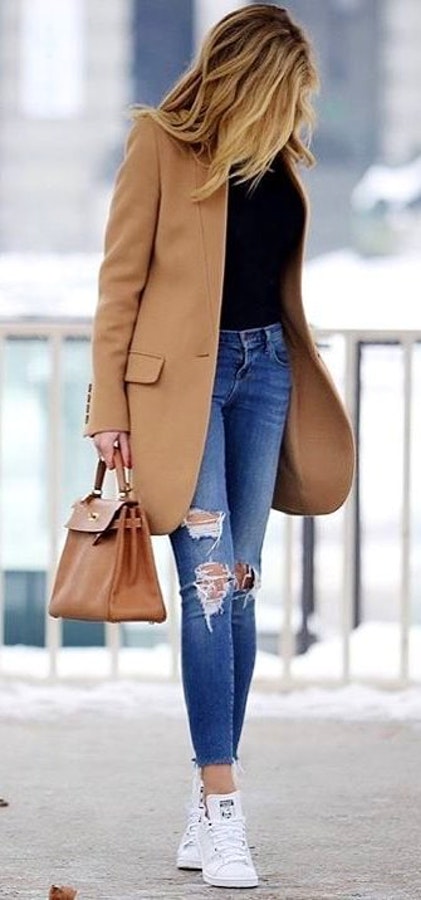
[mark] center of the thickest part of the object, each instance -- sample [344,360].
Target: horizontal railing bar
[43,328]
[371,335]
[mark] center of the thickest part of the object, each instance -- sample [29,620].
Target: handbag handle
[124,485]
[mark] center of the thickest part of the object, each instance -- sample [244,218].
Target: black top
[263,228]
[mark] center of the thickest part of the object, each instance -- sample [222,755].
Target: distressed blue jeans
[218,545]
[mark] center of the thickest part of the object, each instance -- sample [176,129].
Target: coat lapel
[213,223]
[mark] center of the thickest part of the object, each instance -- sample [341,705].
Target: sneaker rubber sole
[189,864]
[230,882]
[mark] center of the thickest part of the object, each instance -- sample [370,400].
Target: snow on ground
[23,701]
[375,649]
[84,682]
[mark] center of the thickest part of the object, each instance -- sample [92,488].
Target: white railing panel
[117,660]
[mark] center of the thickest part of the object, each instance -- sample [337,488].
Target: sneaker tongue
[224,807]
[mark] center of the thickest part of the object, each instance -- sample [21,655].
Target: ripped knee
[247,580]
[202,523]
[213,581]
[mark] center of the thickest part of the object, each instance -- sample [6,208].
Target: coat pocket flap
[143,367]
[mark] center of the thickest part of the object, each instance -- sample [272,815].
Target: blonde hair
[245,98]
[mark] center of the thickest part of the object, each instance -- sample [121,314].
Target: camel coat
[155,339]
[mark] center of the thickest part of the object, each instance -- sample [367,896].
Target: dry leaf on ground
[61,893]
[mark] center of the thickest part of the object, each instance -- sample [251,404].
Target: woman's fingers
[105,443]
[124,442]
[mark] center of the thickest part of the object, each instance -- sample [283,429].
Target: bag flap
[93,514]
[143,367]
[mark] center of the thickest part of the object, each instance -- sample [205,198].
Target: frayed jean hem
[228,761]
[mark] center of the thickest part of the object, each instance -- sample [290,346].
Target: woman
[202,357]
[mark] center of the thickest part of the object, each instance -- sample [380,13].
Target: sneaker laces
[190,831]
[230,840]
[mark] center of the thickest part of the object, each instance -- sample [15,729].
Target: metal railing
[295,580]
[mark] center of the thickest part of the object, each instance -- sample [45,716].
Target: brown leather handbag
[106,571]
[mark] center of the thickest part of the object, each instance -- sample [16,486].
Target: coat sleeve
[129,237]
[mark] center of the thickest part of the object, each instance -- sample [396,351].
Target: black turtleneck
[263,227]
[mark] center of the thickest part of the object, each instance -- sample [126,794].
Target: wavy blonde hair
[245,98]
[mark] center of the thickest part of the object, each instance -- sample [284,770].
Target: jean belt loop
[267,338]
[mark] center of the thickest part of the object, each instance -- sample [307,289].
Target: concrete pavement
[97,802]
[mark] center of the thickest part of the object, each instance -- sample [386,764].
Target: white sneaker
[188,853]
[226,859]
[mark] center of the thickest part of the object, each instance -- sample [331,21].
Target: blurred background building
[69,71]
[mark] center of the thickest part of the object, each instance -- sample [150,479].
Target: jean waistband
[249,337]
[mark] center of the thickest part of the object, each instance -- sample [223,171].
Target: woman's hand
[106,442]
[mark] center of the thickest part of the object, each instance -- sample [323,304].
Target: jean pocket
[278,350]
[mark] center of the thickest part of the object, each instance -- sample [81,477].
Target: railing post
[2,579]
[53,627]
[405,586]
[286,644]
[113,644]
[350,523]
[307,582]
[173,616]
